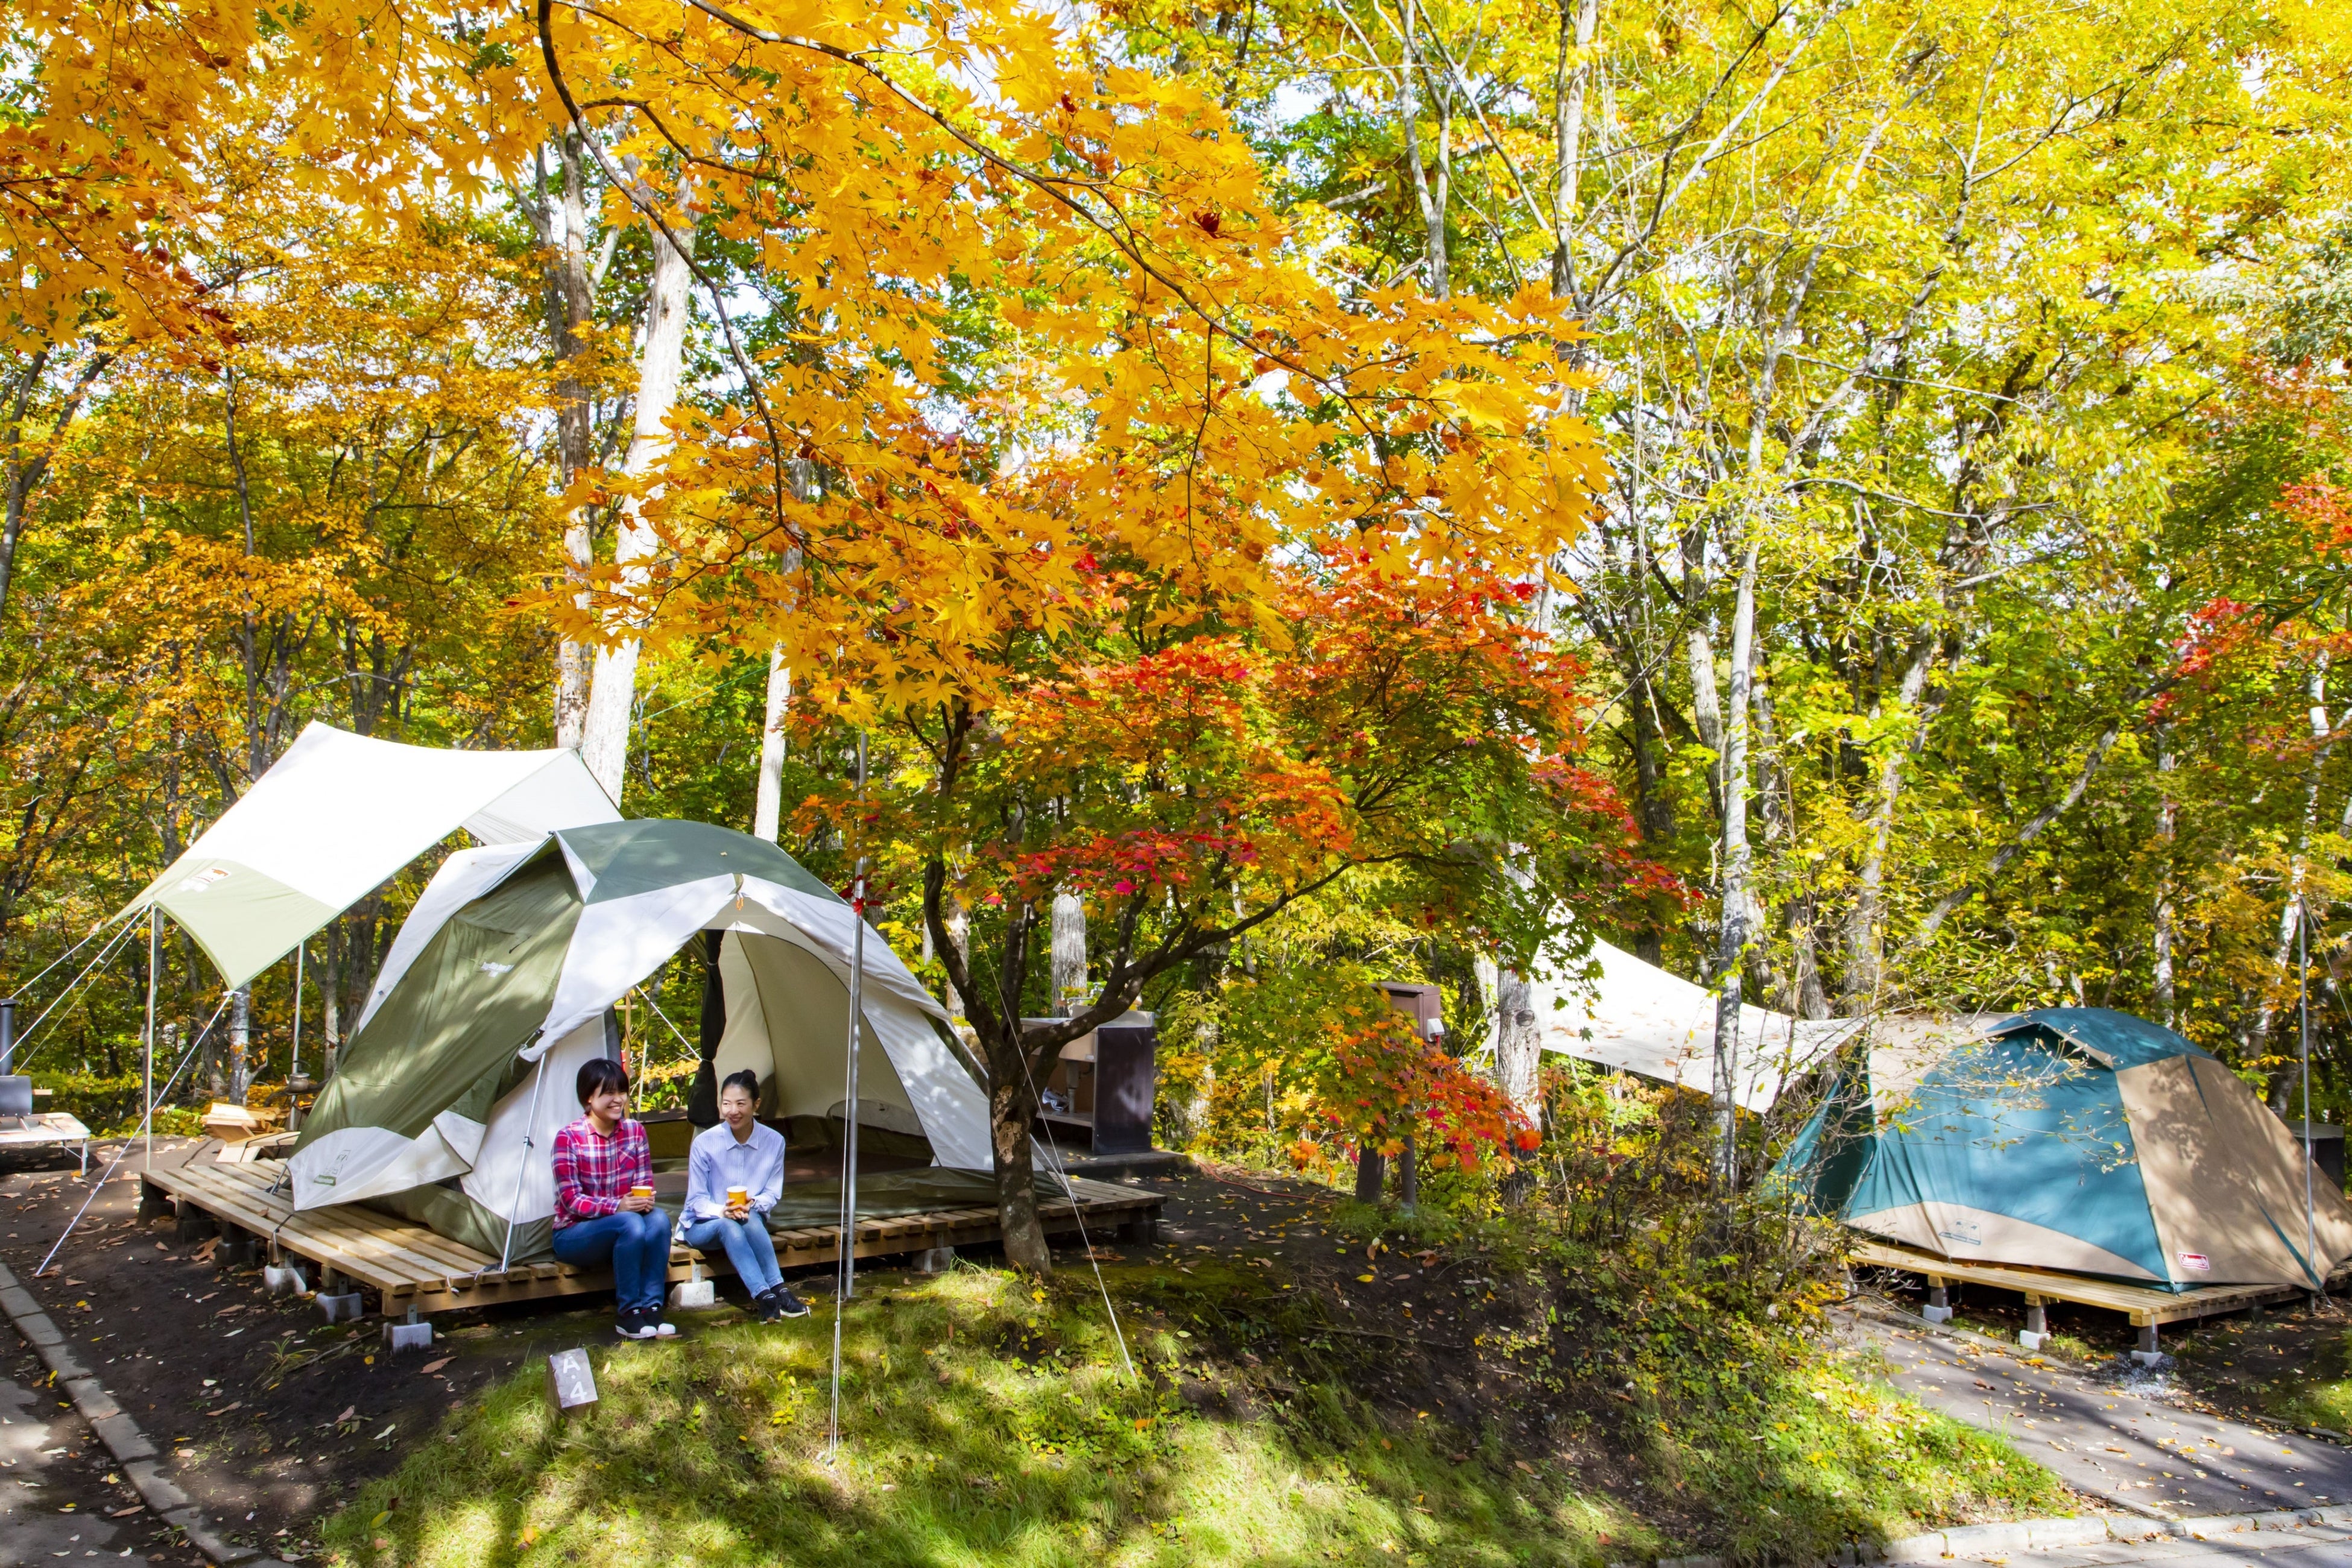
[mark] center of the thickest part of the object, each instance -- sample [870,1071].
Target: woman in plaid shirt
[604,1201]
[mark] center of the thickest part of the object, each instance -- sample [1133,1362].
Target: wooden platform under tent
[2145,1307]
[409,1268]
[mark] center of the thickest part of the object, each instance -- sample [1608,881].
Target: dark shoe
[763,1307]
[786,1304]
[636,1326]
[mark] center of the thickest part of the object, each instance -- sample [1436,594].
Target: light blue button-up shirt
[720,1161]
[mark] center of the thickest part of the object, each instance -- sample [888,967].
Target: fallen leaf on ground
[349,1410]
[126,1512]
[436,1366]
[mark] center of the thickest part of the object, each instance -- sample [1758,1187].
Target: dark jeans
[637,1245]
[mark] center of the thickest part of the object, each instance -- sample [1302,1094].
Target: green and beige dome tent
[447,1101]
[2076,1138]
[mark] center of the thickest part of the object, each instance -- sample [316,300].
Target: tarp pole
[147,1068]
[294,1066]
[845,1273]
[523,1168]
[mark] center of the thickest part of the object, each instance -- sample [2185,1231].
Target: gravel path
[2312,1547]
[2123,1438]
[54,1499]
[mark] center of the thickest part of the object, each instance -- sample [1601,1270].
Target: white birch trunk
[2168,818]
[1731,951]
[1519,1044]
[611,693]
[958,926]
[1069,960]
[2290,916]
[767,812]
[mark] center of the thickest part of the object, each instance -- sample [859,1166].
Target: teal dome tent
[2077,1139]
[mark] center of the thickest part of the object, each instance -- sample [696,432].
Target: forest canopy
[1846,500]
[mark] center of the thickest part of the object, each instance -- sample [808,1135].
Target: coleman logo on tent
[203,880]
[1963,1232]
[2198,1261]
[491,966]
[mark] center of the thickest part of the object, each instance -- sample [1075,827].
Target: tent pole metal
[147,1066]
[294,1066]
[845,1273]
[522,1167]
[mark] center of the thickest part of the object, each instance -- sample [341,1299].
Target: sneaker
[786,1304]
[636,1326]
[658,1328]
[763,1307]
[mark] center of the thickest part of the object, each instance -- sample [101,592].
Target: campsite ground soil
[276,1418]
[2287,1364]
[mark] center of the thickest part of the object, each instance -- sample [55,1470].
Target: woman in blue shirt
[740,1159]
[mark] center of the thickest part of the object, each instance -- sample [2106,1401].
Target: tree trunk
[240,1039]
[1579,19]
[1371,1173]
[1731,949]
[330,987]
[1012,1111]
[1431,191]
[2291,914]
[1069,956]
[767,812]
[572,302]
[958,926]
[612,695]
[1519,1043]
[2168,818]
[1863,972]
[702,1099]
[24,474]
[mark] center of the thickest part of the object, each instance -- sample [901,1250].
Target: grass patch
[984,1423]
[2317,1395]
[1798,1456]
[987,1422]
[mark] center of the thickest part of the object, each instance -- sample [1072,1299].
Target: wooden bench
[411,1267]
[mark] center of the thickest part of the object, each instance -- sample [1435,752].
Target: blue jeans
[748,1244]
[637,1245]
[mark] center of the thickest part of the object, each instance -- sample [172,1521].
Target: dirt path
[2133,1439]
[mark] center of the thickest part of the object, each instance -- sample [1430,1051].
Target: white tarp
[1633,1016]
[337,818]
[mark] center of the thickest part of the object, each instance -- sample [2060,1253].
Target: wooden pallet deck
[2145,1306]
[409,1267]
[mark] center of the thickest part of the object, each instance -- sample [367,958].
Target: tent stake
[845,1273]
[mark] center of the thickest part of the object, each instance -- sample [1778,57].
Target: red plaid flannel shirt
[593,1174]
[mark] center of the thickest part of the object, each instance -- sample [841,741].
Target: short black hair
[599,1074]
[747,1080]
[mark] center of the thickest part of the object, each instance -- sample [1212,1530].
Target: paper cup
[738,1198]
[640,1192]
